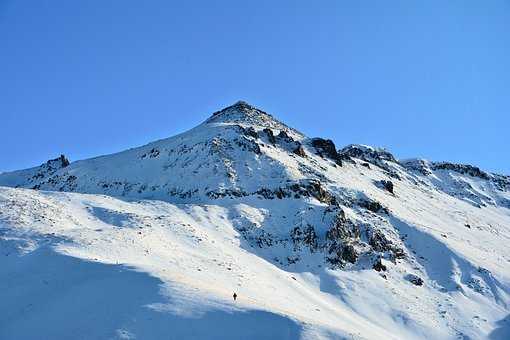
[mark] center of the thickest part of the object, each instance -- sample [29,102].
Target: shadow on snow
[47,295]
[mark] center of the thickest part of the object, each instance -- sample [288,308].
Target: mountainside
[317,242]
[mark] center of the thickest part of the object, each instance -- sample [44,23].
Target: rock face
[461,168]
[326,148]
[414,279]
[386,185]
[367,153]
[457,180]
[300,151]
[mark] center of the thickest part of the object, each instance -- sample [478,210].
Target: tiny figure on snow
[234,296]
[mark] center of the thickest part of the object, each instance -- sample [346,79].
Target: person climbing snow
[234,296]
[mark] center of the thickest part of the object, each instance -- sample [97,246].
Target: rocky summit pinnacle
[243,113]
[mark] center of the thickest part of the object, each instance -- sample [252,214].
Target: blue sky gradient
[423,79]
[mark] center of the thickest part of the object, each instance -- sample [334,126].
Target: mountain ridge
[408,249]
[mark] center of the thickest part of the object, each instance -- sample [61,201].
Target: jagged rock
[300,151]
[339,254]
[379,266]
[270,136]
[372,205]
[376,156]
[285,137]
[307,237]
[502,183]
[64,161]
[313,188]
[461,168]
[342,228]
[57,163]
[248,144]
[419,165]
[349,253]
[326,148]
[378,241]
[367,153]
[251,132]
[339,240]
[414,279]
[386,185]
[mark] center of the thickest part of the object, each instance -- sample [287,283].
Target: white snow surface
[152,242]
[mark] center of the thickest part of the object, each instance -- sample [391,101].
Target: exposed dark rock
[349,253]
[240,105]
[153,153]
[419,165]
[327,149]
[307,237]
[224,193]
[300,151]
[378,241]
[461,168]
[367,154]
[270,136]
[251,132]
[386,185]
[373,206]
[340,254]
[379,266]
[248,144]
[57,163]
[502,183]
[64,161]
[414,279]
[342,228]
[339,240]
[305,188]
[313,188]
[375,156]
[285,137]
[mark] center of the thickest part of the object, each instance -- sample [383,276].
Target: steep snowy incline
[64,254]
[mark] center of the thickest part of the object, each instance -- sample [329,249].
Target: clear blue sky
[424,79]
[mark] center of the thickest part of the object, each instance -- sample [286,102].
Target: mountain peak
[243,113]
[239,110]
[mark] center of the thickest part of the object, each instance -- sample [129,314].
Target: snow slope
[152,242]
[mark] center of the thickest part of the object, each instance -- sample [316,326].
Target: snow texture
[318,243]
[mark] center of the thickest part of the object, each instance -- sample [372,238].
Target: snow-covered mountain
[317,242]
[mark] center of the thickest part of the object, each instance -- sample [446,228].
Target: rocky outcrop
[300,151]
[377,156]
[461,168]
[379,266]
[326,149]
[367,153]
[47,170]
[414,279]
[270,136]
[386,185]
[305,237]
[63,161]
[418,165]
[304,188]
[372,205]
[246,114]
